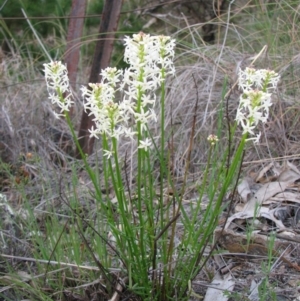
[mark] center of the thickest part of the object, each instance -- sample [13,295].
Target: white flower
[144,144]
[142,116]
[107,153]
[257,138]
[111,76]
[94,132]
[129,133]
[247,126]
[148,99]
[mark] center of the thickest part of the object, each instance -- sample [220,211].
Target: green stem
[84,158]
[141,228]
[162,148]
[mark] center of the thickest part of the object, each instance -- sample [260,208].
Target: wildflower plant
[141,224]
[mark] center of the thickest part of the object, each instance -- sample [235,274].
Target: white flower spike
[257,87]
[57,80]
